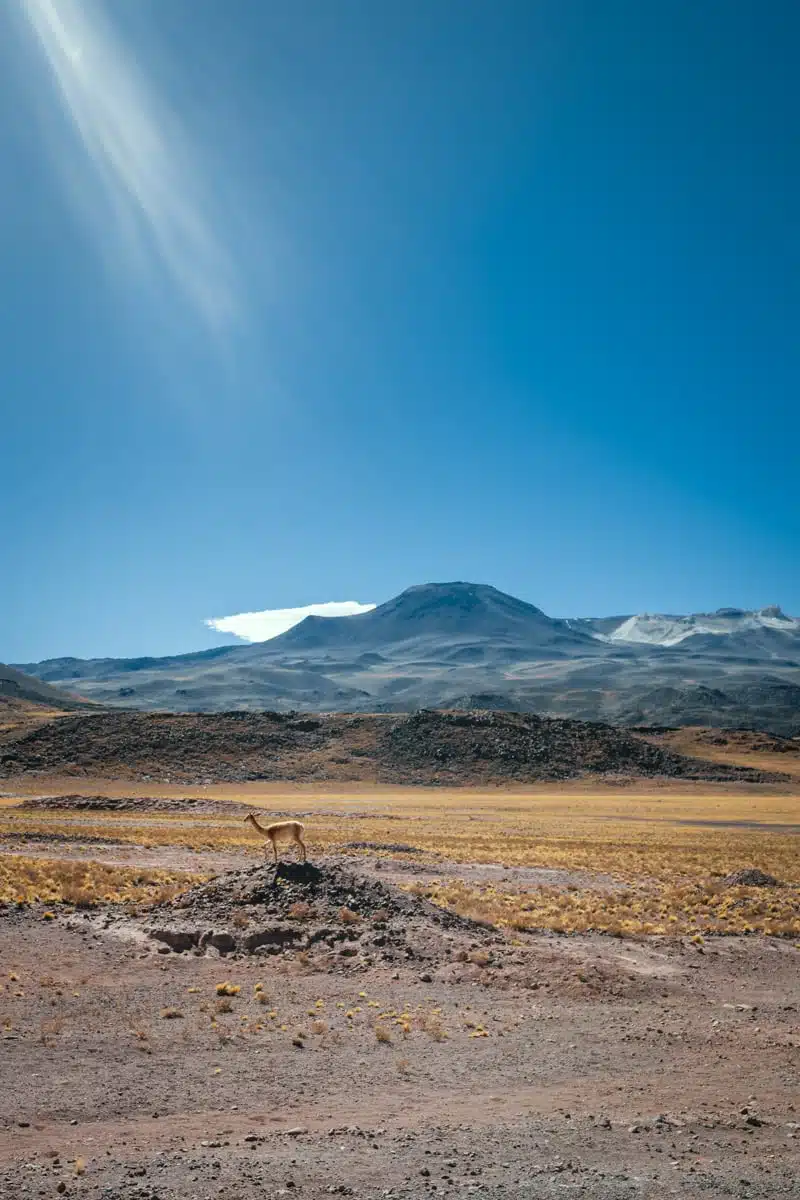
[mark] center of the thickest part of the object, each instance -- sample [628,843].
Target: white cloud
[158,203]
[261,626]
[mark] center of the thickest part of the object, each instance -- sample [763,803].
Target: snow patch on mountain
[663,629]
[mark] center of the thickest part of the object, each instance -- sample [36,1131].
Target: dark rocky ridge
[425,747]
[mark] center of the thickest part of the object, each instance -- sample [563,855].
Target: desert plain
[586,987]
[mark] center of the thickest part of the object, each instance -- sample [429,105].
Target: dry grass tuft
[228,989]
[171,1014]
[84,884]
[382,1034]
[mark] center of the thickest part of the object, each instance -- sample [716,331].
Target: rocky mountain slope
[463,645]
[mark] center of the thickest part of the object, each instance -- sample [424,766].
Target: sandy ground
[673,1071]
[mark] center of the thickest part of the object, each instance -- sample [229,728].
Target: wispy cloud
[140,157]
[261,626]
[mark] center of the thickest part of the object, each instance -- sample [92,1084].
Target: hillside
[465,645]
[15,686]
[455,748]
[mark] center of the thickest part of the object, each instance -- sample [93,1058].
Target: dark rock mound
[522,746]
[76,802]
[751,877]
[65,839]
[326,907]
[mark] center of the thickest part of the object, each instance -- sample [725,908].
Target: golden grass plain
[651,859]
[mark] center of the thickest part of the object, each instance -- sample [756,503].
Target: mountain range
[465,645]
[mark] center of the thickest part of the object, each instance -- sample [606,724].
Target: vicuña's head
[250,818]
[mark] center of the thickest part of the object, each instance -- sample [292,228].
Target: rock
[751,877]
[275,935]
[224,942]
[174,939]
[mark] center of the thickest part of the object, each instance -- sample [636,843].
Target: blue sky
[306,301]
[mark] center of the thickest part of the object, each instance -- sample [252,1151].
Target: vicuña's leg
[274,850]
[302,846]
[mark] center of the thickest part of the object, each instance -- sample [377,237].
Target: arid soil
[445,1060]
[466,748]
[318,1031]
